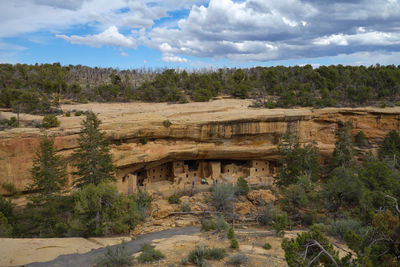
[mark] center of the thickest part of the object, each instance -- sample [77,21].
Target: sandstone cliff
[222,129]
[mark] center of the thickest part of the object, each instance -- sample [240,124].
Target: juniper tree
[93,159]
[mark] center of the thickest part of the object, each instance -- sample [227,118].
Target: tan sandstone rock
[261,197]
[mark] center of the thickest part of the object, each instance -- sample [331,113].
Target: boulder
[261,197]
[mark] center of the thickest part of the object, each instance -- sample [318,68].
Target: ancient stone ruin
[177,176]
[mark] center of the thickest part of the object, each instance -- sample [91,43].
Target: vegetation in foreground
[96,208]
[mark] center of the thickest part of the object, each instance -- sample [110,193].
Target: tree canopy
[93,158]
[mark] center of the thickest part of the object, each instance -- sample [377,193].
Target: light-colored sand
[20,251]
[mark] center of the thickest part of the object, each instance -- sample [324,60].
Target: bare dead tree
[323,251]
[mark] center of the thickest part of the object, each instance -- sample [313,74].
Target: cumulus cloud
[247,30]
[256,30]
[171,58]
[110,37]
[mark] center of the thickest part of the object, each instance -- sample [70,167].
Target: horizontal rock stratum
[226,129]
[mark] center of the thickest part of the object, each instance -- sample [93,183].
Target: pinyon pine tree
[92,158]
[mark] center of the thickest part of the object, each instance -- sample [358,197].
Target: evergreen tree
[343,155]
[45,215]
[390,149]
[48,172]
[297,161]
[93,159]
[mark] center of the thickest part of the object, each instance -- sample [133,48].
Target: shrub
[231,233]
[242,187]
[340,227]
[144,140]
[280,223]
[116,256]
[223,196]
[234,243]
[149,254]
[102,210]
[197,256]
[174,199]
[10,188]
[238,259]
[5,228]
[266,216]
[50,121]
[68,114]
[167,123]
[267,246]
[217,223]
[215,253]
[143,201]
[360,139]
[78,113]
[13,122]
[185,207]
[200,254]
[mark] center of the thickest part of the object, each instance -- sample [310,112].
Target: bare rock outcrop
[225,130]
[261,197]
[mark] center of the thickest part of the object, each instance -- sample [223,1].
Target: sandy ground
[173,243]
[20,251]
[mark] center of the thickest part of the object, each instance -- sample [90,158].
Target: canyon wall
[219,130]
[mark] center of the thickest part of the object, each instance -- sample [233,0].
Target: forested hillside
[41,88]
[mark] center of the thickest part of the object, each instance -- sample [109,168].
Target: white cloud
[256,30]
[124,54]
[171,58]
[361,38]
[336,39]
[111,37]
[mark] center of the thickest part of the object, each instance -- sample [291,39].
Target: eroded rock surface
[207,133]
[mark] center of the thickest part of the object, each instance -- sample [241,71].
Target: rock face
[225,131]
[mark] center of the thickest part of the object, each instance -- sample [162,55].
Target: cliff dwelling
[177,176]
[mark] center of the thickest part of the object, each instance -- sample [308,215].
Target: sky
[193,34]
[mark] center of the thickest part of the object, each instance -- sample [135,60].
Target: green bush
[144,140]
[242,187]
[68,114]
[50,121]
[10,188]
[185,207]
[149,254]
[167,123]
[174,199]
[340,227]
[5,228]
[267,246]
[13,122]
[223,195]
[102,210]
[115,256]
[143,201]
[217,223]
[280,223]
[231,233]
[200,254]
[78,113]
[234,243]
[267,215]
[238,259]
